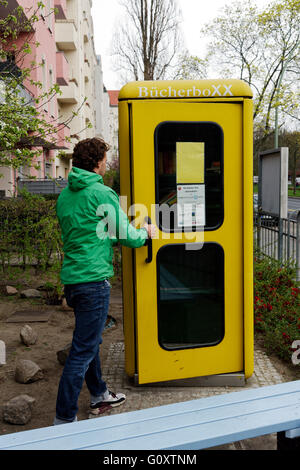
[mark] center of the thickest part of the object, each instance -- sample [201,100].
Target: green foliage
[261,46]
[190,67]
[117,263]
[276,305]
[30,233]
[290,139]
[112,175]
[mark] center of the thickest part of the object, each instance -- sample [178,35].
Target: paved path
[294,204]
[265,373]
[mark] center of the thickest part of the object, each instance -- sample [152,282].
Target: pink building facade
[52,68]
[67,57]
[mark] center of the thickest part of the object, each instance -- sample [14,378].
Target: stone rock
[31,293]
[27,372]
[41,286]
[2,377]
[11,290]
[63,354]
[18,410]
[28,335]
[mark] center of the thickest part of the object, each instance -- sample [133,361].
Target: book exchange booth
[186,163]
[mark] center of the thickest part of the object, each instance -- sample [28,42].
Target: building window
[189,175]
[24,172]
[48,170]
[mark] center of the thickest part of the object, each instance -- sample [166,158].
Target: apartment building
[74,35]
[67,54]
[45,54]
[113,124]
[103,103]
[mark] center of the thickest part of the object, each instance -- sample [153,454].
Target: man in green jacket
[91,221]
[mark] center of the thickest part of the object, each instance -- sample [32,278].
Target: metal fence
[43,186]
[278,238]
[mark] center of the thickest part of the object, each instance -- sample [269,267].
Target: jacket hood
[79,179]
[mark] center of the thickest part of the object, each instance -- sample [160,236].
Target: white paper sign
[191,205]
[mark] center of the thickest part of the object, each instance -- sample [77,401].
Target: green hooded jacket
[91,221]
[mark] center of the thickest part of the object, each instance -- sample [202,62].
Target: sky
[195,13]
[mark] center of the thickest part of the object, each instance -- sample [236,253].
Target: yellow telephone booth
[186,162]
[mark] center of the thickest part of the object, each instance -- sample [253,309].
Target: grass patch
[290,191]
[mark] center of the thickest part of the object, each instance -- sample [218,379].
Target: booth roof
[170,89]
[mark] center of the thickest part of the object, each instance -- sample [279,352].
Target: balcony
[62,69]
[66,35]
[62,134]
[11,8]
[61,6]
[69,94]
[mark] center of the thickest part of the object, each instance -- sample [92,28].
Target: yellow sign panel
[190,162]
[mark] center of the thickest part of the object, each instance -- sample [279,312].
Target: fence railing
[43,186]
[278,238]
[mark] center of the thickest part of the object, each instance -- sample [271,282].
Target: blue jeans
[90,302]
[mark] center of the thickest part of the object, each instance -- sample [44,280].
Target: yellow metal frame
[242,95]
[248,237]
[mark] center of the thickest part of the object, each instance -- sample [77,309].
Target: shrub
[112,175]
[29,232]
[276,305]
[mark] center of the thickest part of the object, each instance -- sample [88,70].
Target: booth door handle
[149,243]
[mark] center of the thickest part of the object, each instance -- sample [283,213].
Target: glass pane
[189,175]
[190,296]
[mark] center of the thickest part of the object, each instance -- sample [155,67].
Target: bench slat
[160,424]
[140,415]
[209,435]
[153,423]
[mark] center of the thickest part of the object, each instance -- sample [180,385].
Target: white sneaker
[110,400]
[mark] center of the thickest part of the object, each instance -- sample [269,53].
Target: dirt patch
[53,335]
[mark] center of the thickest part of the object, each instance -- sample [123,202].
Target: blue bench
[190,425]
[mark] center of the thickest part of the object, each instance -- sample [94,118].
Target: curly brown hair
[87,153]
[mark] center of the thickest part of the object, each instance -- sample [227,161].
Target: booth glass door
[190,290]
[187,172]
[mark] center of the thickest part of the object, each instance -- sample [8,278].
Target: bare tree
[147,40]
